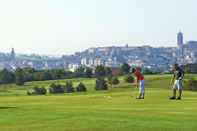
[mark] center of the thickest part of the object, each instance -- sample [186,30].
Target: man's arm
[173,78]
[182,75]
[137,82]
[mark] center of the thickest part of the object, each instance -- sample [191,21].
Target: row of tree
[20,76]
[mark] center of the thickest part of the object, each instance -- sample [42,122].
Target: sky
[59,27]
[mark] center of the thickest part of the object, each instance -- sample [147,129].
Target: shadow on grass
[7,107]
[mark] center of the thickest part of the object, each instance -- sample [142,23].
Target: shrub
[19,77]
[81,87]
[69,87]
[56,88]
[129,79]
[109,79]
[115,81]
[191,84]
[37,91]
[101,84]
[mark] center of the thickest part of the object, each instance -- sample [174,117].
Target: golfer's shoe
[179,98]
[140,98]
[172,98]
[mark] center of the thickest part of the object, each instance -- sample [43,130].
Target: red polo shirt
[139,75]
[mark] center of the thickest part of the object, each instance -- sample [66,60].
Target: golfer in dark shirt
[177,81]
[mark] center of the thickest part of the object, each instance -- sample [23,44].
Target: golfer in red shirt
[139,82]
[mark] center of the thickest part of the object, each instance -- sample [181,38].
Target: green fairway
[112,110]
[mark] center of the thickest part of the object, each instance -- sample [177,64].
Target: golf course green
[113,110]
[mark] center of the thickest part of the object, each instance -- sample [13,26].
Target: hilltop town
[155,58]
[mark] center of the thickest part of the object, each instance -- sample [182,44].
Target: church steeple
[13,55]
[180,39]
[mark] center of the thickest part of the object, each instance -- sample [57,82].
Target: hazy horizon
[64,27]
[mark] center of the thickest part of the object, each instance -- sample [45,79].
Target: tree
[6,77]
[187,69]
[191,84]
[80,72]
[88,72]
[54,89]
[69,87]
[47,75]
[113,81]
[81,87]
[109,79]
[19,74]
[125,68]
[60,73]
[129,79]
[37,91]
[100,71]
[101,84]
[147,71]
[108,71]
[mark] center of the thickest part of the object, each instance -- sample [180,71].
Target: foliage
[100,71]
[147,71]
[191,84]
[125,68]
[80,72]
[56,88]
[129,79]
[109,80]
[37,91]
[81,87]
[6,77]
[108,71]
[69,87]
[101,84]
[113,80]
[89,72]
[19,75]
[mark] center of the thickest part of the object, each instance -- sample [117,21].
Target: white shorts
[178,85]
[141,87]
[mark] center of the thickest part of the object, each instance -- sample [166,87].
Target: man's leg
[174,91]
[142,89]
[143,94]
[180,94]
[180,89]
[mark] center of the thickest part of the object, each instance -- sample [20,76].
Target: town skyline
[115,45]
[65,27]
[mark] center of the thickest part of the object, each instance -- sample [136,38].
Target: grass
[112,110]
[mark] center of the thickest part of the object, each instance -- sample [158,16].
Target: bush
[69,87]
[129,79]
[191,84]
[109,79]
[115,81]
[101,84]
[81,88]
[54,89]
[37,91]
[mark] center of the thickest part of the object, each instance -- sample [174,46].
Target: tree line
[22,75]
